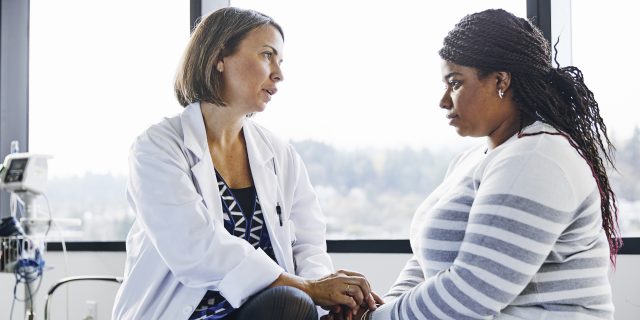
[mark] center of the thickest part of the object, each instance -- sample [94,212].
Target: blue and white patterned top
[243,218]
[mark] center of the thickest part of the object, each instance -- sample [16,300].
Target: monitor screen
[15,173]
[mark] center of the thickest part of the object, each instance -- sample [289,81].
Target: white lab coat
[178,248]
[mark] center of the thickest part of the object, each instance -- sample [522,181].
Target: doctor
[227,224]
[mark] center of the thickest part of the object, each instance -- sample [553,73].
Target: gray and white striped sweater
[515,233]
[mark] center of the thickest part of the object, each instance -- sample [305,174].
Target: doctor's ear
[220,66]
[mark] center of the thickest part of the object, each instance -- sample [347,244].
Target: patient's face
[472,104]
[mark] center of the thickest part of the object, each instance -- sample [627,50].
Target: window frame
[14,80]
[14,113]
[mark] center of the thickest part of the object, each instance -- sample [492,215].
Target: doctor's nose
[277,74]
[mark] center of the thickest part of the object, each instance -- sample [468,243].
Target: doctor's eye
[267,54]
[454,84]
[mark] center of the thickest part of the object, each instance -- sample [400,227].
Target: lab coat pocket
[290,230]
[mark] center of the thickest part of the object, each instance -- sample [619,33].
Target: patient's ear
[503,80]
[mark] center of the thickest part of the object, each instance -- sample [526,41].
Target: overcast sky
[358,74]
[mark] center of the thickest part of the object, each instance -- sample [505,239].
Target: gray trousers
[278,303]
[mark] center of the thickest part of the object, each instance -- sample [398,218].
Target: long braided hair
[496,40]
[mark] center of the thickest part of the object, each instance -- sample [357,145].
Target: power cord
[50,215]
[64,247]
[66,263]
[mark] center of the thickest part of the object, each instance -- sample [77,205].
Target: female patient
[227,224]
[523,227]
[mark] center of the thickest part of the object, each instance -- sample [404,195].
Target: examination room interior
[81,79]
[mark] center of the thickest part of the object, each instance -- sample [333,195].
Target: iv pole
[29,223]
[24,176]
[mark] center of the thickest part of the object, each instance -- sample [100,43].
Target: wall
[381,269]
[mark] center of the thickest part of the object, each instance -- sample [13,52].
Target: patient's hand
[346,313]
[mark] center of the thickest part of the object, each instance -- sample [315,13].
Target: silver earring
[500,93]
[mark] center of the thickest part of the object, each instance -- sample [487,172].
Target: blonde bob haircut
[215,37]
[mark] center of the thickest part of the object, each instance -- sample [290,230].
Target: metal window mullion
[539,11]
[200,8]
[14,80]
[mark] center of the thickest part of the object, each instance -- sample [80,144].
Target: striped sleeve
[410,276]
[522,205]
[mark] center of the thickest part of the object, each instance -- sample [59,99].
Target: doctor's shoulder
[162,136]
[276,143]
[282,149]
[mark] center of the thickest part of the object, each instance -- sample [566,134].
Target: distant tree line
[395,171]
[357,189]
[406,170]
[626,180]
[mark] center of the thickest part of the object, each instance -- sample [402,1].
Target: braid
[571,108]
[495,40]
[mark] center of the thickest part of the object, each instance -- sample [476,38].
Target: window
[360,103]
[611,37]
[100,73]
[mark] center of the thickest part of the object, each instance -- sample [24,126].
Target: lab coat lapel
[261,161]
[195,140]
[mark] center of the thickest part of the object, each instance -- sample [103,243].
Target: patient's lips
[452,117]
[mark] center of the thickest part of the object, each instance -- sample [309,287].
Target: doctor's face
[251,74]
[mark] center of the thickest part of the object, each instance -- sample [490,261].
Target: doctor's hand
[343,288]
[347,288]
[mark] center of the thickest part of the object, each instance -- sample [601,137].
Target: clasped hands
[346,294]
